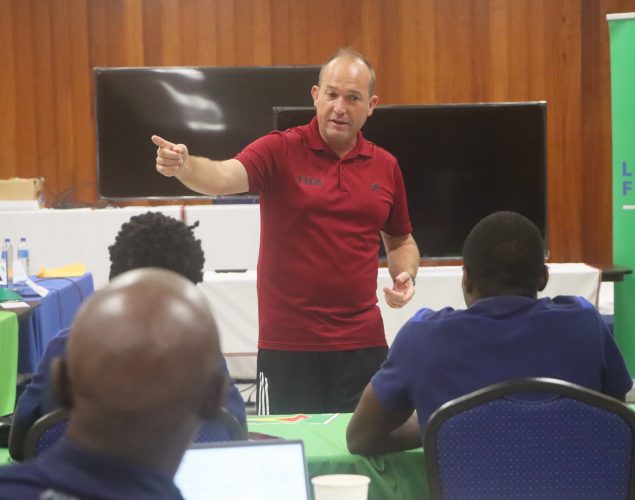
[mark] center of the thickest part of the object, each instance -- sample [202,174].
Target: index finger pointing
[162,143]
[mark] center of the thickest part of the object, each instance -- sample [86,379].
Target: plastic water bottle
[23,255]
[7,260]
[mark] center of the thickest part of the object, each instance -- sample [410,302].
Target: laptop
[241,470]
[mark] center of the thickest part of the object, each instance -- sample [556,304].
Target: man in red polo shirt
[326,195]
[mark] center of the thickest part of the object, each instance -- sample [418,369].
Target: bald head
[349,55]
[143,358]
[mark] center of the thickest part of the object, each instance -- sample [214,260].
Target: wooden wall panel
[563,95]
[8,98]
[425,51]
[25,88]
[41,71]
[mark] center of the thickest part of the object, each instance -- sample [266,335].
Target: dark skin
[142,370]
[374,430]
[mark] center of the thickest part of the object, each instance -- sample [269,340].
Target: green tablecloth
[8,361]
[395,476]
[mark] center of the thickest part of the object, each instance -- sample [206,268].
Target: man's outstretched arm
[200,174]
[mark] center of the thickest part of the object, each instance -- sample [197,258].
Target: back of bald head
[145,343]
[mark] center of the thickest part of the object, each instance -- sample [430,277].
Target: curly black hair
[156,240]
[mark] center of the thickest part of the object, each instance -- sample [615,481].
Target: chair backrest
[533,438]
[224,427]
[45,432]
[50,427]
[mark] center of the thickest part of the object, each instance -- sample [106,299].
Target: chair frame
[41,425]
[236,431]
[517,386]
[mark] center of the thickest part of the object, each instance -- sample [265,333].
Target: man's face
[342,102]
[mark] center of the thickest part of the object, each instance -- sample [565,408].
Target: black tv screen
[214,111]
[460,162]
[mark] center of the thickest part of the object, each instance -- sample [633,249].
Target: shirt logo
[375,187]
[309,181]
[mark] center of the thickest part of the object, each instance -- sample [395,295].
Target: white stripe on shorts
[262,401]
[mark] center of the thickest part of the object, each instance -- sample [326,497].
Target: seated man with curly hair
[147,240]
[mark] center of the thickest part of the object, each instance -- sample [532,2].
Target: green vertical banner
[622,37]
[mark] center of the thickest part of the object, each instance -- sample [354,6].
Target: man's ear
[61,382]
[544,278]
[467,286]
[372,104]
[466,281]
[315,90]
[215,395]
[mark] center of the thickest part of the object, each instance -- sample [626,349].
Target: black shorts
[314,382]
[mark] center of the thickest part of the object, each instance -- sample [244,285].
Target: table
[232,296]
[51,314]
[397,476]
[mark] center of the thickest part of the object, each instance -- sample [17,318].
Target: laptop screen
[239,470]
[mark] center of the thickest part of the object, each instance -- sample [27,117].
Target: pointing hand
[171,157]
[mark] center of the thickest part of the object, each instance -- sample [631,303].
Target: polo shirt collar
[315,142]
[503,304]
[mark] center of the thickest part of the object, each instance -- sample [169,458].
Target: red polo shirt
[320,219]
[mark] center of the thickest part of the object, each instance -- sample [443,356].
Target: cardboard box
[23,189]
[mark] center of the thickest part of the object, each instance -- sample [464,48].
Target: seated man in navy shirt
[150,239]
[142,372]
[505,333]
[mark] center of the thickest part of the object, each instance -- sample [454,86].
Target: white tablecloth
[233,299]
[61,237]
[229,234]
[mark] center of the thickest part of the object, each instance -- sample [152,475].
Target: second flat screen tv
[460,162]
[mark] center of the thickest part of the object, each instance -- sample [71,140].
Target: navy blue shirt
[68,471]
[438,356]
[38,399]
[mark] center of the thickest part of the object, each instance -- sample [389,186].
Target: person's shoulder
[58,340]
[427,329]
[571,309]
[55,347]
[426,320]
[26,481]
[567,302]
[294,133]
[425,314]
[381,153]
[62,334]
[277,139]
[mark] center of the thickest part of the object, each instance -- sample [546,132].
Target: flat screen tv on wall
[214,111]
[460,162]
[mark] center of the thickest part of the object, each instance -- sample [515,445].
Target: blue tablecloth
[53,312]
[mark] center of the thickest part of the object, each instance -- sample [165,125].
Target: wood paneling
[425,51]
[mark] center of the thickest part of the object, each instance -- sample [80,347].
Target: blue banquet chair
[535,438]
[50,427]
[223,427]
[45,432]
